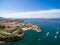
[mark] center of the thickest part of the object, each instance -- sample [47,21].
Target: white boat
[47,33]
[55,36]
[57,32]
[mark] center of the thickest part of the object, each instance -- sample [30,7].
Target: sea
[50,34]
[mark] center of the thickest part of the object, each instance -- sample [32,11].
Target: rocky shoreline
[29,26]
[12,39]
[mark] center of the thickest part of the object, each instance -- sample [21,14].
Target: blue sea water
[50,34]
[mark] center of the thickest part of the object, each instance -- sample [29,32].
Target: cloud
[52,13]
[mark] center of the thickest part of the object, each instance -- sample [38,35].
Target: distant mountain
[1,18]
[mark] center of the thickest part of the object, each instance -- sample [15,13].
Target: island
[13,30]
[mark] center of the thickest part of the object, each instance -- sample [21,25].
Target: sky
[30,8]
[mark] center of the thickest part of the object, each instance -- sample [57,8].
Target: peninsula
[13,30]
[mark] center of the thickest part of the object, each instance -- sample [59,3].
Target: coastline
[14,30]
[2,42]
[32,27]
[25,29]
[19,37]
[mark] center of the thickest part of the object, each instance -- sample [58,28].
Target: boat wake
[51,35]
[47,34]
[54,35]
